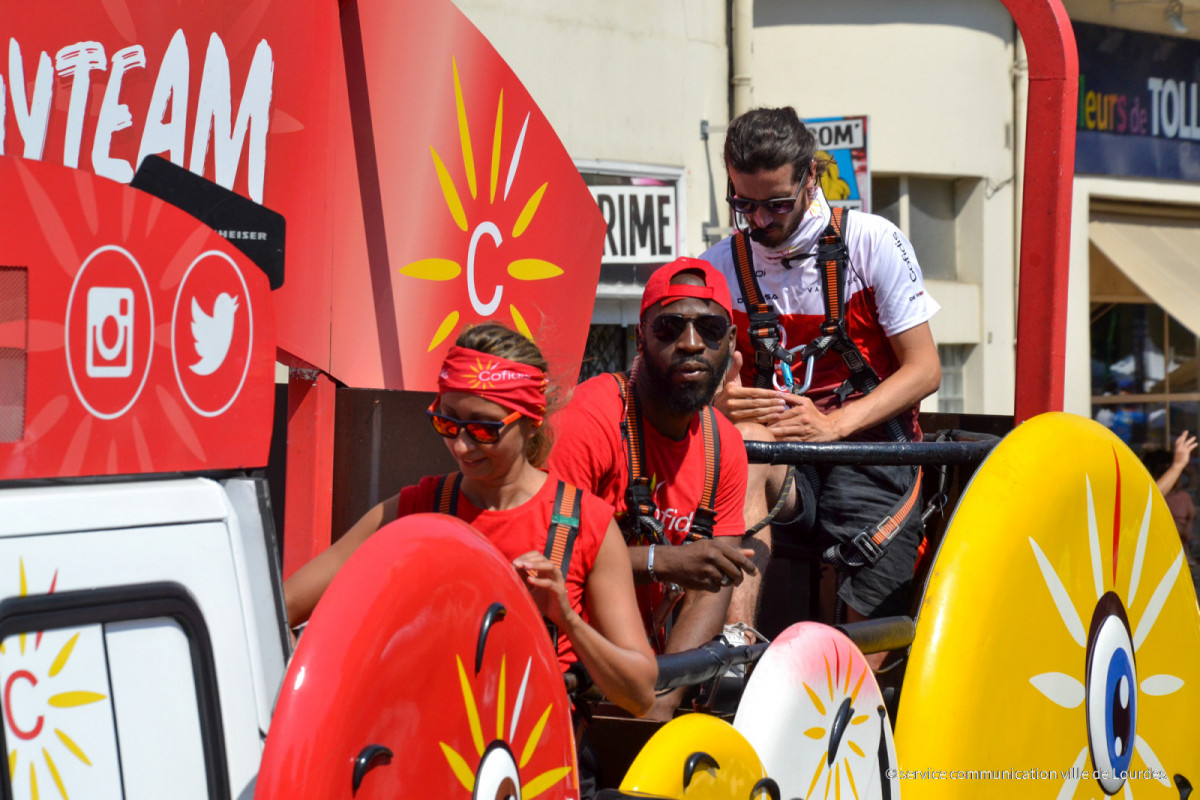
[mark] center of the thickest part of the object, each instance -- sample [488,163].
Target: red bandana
[512,384]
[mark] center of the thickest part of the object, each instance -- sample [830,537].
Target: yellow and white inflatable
[815,716]
[1058,641]
[696,757]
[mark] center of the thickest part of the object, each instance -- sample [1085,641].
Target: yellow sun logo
[835,706]
[444,269]
[481,376]
[498,772]
[30,729]
[1110,691]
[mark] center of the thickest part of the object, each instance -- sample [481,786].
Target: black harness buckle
[765,319]
[867,547]
[702,524]
[844,391]
[764,336]
[639,523]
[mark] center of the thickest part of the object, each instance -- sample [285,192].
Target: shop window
[1144,374]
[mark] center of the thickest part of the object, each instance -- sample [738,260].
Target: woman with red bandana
[491,406]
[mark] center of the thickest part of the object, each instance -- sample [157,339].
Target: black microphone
[787,260]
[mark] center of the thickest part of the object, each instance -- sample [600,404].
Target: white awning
[1161,256]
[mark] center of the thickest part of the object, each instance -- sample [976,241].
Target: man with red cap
[650,443]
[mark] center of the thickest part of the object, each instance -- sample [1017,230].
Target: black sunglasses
[482,431]
[711,328]
[776,205]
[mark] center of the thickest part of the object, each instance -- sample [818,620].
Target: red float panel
[474,210]
[422,188]
[143,341]
[238,92]
[468,703]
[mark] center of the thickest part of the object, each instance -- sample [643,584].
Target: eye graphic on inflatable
[497,778]
[1091,638]
[1111,691]
[815,716]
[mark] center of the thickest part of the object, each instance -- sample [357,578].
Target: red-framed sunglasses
[482,431]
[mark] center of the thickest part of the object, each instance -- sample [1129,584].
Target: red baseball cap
[659,287]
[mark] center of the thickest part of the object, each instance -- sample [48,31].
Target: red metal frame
[1046,204]
[308,499]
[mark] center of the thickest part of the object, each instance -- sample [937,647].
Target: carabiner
[788,379]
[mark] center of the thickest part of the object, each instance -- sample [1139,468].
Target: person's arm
[709,563]
[705,564]
[614,649]
[304,588]
[701,617]
[1184,445]
[918,375]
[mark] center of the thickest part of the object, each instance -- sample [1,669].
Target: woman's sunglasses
[776,205]
[482,431]
[711,328]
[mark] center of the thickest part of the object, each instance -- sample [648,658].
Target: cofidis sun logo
[498,771]
[1120,703]
[485,223]
[55,710]
[488,375]
[843,720]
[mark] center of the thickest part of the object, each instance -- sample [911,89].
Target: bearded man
[651,444]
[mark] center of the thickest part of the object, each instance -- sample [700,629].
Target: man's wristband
[650,565]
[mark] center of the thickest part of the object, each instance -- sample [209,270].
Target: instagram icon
[109,347]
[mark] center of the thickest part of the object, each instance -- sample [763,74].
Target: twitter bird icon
[213,333]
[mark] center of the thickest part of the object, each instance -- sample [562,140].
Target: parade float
[154,155]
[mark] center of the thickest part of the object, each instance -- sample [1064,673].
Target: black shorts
[854,498]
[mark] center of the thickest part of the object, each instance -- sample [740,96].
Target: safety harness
[560,538]
[765,336]
[833,258]
[564,523]
[639,523]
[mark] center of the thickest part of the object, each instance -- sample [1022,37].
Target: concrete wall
[936,80]
[941,81]
[622,80]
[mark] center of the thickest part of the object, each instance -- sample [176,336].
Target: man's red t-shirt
[518,530]
[589,452]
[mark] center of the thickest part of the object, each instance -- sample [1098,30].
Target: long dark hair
[768,138]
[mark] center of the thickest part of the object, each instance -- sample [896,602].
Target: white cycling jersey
[885,292]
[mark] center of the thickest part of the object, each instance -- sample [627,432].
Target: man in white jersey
[775,192]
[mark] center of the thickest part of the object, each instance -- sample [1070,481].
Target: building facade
[641,94]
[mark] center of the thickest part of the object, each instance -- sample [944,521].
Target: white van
[142,637]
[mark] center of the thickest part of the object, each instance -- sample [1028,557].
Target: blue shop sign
[1137,112]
